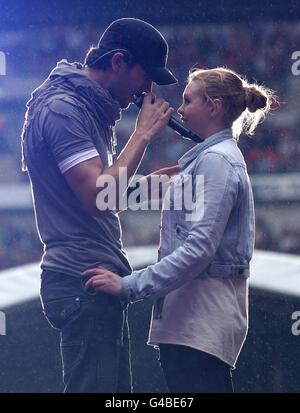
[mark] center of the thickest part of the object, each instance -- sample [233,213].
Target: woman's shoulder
[228,150]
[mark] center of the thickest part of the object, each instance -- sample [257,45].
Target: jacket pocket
[158,308]
[181,232]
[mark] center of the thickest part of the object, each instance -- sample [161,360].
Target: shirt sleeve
[75,159]
[66,129]
[191,259]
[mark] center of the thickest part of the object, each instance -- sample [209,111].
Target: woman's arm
[191,259]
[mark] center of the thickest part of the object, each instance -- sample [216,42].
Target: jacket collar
[200,147]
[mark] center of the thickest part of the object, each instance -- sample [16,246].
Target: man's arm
[82,177]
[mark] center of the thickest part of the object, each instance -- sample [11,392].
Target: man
[68,142]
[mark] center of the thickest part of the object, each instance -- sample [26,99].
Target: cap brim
[162,76]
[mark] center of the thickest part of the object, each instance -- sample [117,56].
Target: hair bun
[254,99]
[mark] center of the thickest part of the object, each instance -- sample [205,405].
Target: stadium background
[254,38]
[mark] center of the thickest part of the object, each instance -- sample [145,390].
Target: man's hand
[153,116]
[102,280]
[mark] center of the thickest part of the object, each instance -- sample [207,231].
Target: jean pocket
[59,312]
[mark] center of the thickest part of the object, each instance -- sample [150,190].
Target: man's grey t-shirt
[73,240]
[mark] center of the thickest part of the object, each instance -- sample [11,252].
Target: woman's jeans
[188,370]
[94,342]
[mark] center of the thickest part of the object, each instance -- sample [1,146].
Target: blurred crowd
[19,242]
[266,239]
[261,51]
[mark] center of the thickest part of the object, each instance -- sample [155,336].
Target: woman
[200,283]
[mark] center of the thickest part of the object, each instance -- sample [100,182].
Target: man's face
[129,82]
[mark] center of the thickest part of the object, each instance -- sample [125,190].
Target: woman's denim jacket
[211,237]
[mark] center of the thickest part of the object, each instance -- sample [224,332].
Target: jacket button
[177,230]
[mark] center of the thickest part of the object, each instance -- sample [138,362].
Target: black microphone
[174,123]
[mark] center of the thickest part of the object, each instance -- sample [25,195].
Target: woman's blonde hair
[245,105]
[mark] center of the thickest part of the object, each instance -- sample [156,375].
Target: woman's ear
[216,107]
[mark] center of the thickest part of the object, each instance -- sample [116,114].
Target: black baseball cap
[144,42]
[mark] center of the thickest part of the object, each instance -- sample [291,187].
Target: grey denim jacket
[214,235]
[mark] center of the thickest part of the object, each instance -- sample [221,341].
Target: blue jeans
[94,341]
[188,370]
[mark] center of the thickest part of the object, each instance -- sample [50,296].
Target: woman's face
[195,111]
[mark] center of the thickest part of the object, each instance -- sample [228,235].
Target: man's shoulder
[62,109]
[65,105]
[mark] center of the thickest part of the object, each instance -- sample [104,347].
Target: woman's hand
[102,280]
[170,171]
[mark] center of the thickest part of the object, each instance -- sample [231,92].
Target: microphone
[173,123]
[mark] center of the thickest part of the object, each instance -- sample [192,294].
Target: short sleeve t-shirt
[62,135]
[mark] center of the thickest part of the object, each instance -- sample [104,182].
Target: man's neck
[99,76]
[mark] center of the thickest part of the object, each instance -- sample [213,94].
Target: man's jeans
[95,352]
